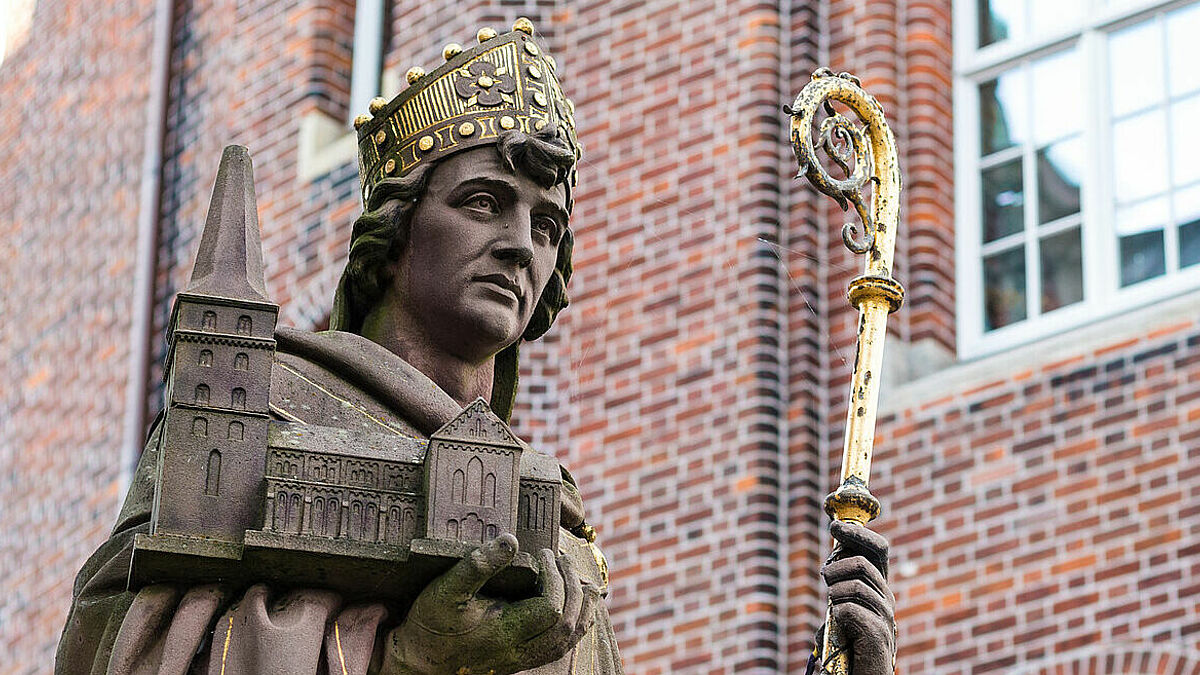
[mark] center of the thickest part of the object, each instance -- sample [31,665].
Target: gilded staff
[866,155]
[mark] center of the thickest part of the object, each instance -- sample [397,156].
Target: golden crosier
[867,155]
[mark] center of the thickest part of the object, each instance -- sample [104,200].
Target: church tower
[219,359]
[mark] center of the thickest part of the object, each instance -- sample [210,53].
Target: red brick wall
[1041,519]
[673,394]
[1051,512]
[72,111]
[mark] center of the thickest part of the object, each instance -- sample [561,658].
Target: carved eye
[547,226]
[483,202]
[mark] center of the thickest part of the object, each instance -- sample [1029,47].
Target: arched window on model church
[236,431]
[201,393]
[212,482]
[205,357]
[210,321]
[238,399]
[241,361]
[244,325]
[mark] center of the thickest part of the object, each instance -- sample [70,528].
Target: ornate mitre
[505,82]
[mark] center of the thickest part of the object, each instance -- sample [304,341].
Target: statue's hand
[862,605]
[451,629]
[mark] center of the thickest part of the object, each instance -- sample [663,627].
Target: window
[1078,173]
[367,68]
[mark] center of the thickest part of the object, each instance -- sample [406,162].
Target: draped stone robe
[333,379]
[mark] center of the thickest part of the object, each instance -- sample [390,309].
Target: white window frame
[366,70]
[1103,296]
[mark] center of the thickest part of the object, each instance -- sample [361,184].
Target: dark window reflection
[1004,288]
[1189,243]
[1062,270]
[1058,180]
[995,19]
[1003,200]
[999,111]
[1142,257]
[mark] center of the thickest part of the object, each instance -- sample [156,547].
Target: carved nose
[521,255]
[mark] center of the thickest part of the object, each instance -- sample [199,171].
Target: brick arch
[1124,660]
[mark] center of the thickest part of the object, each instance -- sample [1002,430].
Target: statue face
[482,244]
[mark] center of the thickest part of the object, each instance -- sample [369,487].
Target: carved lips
[503,282]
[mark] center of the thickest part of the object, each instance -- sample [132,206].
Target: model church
[242,496]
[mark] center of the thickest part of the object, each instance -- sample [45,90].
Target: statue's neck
[463,380]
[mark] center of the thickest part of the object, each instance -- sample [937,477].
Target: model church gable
[478,424]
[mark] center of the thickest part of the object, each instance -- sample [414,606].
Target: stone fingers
[858,568]
[855,539]
[526,619]
[553,623]
[860,593]
[458,585]
[554,582]
[574,596]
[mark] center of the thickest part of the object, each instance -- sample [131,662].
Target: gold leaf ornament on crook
[844,142]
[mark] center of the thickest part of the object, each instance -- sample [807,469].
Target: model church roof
[478,424]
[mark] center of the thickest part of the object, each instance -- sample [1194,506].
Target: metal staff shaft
[866,155]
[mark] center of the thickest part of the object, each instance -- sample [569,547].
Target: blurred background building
[1038,455]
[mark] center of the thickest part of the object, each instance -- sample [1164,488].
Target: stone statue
[353,501]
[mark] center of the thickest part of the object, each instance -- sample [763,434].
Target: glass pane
[1142,257]
[1057,96]
[1004,288]
[1000,20]
[1189,243]
[1187,213]
[1183,49]
[1135,63]
[1140,156]
[1003,200]
[1059,171]
[1002,112]
[1185,138]
[1062,270]
[1055,16]
[1140,233]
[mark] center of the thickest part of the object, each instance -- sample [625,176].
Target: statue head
[494,109]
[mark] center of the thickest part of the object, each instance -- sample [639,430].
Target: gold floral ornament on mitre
[485,84]
[504,82]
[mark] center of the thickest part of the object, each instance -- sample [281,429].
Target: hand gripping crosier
[866,155]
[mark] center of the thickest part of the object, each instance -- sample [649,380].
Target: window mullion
[367,66]
[1100,264]
[1171,227]
[1033,272]
[969,301]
